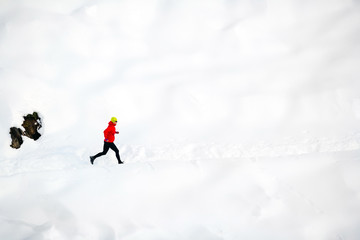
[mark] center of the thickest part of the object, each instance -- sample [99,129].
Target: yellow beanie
[113,119]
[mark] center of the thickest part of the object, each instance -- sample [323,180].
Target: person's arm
[106,134]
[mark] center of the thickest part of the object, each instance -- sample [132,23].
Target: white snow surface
[238,119]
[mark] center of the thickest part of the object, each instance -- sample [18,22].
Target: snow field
[303,197]
[237,119]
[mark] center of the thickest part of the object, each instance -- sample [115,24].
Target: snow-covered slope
[237,119]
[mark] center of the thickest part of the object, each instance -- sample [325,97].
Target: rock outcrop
[31,124]
[16,137]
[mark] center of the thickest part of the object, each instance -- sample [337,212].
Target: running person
[109,135]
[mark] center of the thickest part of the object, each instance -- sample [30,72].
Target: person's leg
[105,150]
[116,150]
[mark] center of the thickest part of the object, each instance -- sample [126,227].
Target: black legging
[108,145]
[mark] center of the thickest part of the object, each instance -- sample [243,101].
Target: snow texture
[237,119]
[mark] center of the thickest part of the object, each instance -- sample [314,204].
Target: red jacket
[109,132]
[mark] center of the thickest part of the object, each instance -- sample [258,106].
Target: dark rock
[16,137]
[32,123]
